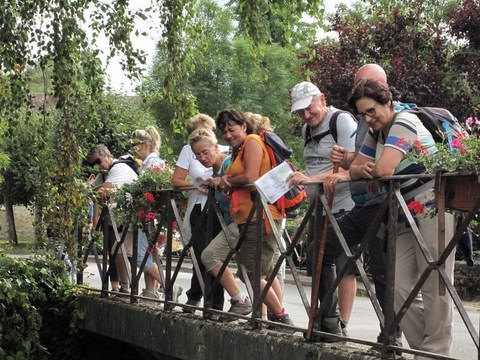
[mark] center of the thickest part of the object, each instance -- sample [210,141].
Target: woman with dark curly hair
[250,161]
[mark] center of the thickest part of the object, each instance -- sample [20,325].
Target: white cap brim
[301,104]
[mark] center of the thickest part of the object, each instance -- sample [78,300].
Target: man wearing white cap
[320,136]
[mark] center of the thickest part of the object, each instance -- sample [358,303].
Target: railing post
[389,330]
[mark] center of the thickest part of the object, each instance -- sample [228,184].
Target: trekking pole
[318,267]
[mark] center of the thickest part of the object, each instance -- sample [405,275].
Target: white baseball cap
[302,95]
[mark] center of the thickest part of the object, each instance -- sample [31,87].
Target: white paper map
[274,184]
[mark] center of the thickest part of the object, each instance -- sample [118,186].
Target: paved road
[363,323]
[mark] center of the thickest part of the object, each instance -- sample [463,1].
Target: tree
[226,74]
[414,50]
[52,35]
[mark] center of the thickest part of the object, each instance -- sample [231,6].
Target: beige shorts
[127,244]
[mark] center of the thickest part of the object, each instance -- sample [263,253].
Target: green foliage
[226,74]
[281,22]
[47,41]
[463,156]
[37,312]
[415,50]
[141,202]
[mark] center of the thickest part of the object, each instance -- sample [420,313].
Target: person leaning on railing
[250,160]
[428,323]
[146,144]
[189,172]
[206,149]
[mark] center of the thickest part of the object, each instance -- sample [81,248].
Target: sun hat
[302,95]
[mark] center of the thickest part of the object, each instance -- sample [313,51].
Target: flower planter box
[462,192]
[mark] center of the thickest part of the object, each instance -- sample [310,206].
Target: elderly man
[118,173]
[326,126]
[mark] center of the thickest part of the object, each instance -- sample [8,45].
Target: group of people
[115,174]
[379,148]
[372,144]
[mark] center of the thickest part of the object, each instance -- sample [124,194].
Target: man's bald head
[371,72]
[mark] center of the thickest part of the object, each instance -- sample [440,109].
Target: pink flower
[457,144]
[150,216]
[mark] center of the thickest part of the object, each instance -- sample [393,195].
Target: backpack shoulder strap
[333,123]
[332,129]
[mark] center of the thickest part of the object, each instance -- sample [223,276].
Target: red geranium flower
[149,197]
[416,207]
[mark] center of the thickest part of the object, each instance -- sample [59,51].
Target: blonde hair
[200,121]
[150,136]
[259,123]
[202,134]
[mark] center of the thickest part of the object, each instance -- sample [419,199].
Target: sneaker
[124,290]
[177,291]
[332,329]
[328,326]
[398,342]
[285,319]
[149,294]
[241,307]
[191,302]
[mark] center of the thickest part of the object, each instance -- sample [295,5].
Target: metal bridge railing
[394,204]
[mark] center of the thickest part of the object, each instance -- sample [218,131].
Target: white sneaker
[150,294]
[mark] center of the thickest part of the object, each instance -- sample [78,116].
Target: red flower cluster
[416,207]
[149,197]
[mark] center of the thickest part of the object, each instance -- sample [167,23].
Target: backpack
[126,159]
[439,122]
[278,152]
[332,125]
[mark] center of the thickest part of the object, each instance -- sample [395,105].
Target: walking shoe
[334,329]
[149,294]
[398,342]
[330,326]
[124,290]
[241,307]
[189,310]
[284,319]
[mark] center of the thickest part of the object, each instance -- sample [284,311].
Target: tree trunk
[9,216]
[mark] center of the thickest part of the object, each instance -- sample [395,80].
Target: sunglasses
[97,161]
[136,144]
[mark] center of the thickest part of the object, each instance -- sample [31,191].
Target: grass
[25,247]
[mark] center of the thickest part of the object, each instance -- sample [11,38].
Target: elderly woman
[427,324]
[146,146]
[206,149]
[189,171]
[250,161]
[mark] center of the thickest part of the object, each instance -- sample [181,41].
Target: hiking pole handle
[318,266]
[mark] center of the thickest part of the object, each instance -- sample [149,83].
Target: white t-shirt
[187,161]
[120,174]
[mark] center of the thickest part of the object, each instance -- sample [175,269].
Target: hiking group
[369,142]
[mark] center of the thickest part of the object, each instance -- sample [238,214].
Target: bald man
[355,224]
[342,155]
